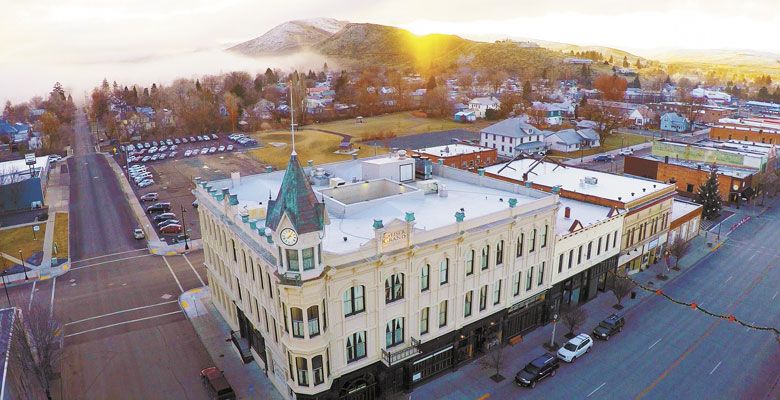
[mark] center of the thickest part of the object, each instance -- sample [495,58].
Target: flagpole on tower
[292,118]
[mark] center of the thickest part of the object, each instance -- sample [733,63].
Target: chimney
[567,212]
[666,159]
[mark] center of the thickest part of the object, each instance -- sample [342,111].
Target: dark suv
[159,207]
[608,327]
[537,370]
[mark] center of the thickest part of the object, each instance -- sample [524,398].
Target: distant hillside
[290,37]
[720,57]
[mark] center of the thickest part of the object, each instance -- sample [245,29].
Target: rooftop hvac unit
[590,180]
[336,182]
[428,186]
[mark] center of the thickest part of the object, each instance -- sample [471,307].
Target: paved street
[666,351]
[124,333]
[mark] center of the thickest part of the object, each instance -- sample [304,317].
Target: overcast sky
[96,30]
[80,41]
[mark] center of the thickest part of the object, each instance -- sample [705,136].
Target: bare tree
[493,360]
[573,316]
[621,288]
[36,349]
[678,248]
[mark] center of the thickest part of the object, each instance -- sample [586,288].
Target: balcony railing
[394,357]
[290,279]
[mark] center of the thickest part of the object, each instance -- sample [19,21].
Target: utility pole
[184,227]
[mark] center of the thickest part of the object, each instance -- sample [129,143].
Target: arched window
[469,262]
[444,271]
[354,300]
[296,315]
[302,366]
[313,318]
[394,288]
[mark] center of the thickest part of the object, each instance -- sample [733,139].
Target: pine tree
[709,197]
[625,62]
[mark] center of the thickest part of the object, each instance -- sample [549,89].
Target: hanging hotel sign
[389,238]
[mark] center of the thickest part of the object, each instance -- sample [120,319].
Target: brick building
[687,176]
[686,220]
[757,130]
[707,114]
[463,156]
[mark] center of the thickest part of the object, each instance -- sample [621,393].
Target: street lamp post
[21,258]
[184,227]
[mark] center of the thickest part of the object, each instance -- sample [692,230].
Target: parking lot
[172,177]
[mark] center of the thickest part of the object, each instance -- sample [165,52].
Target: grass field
[310,145]
[613,142]
[61,235]
[13,240]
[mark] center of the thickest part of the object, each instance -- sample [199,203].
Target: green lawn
[397,124]
[310,145]
[61,234]
[612,142]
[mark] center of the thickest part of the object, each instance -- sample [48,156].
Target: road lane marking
[653,345]
[193,270]
[596,389]
[716,367]
[32,293]
[122,323]
[729,278]
[51,302]
[773,297]
[120,312]
[107,255]
[110,261]
[174,275]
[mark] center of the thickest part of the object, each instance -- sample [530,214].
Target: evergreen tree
[709,197]
[668,80]
[636,83]
[638,64]
[431,83]
[625,62]
[197,85]
[611,59]
[527,90]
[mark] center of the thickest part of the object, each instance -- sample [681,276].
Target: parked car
[221,148]
[163,148]
[536,370]
[575,348]
[204,150]
[229,147]
[139,146]
[164,217]
[172,154]
[192,139]
[608,327]
[138,233]
[185,140]
[155,157]
[176,141]
[604,158]
[146,159]
[626,152]
[168,222]
[169,142]
[162,156]
[187,153]
[158,208]
[212,150]
[182,237]
[146,183]
[147,145]
[171,229]
[150,197]
[215,382]
[214,136]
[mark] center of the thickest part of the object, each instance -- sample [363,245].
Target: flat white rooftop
[587,213]
[607,186]
[450,150]
[431,211]
[681,207]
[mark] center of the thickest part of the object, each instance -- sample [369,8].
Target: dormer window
[308,258]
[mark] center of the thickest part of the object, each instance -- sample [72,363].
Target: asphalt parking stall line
[110,262]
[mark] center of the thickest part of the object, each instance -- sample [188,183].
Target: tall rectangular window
[296,315]
[470,262]
[571,258]
[444,271]
[313,318]
[560,263]
[292,260]
[497,292]
[532,242]
[316,367]
[354,301]
[356,346]
[606,243]
[590,247]
[516,284]
[614,239]
[467,303]
[500,252]
[425,277]
[302,367]
[541,275]
[529,278]
[394,332]
[483,297]
[520,240]
[308,259]
[579,255]
[485,256]
[544,238]
[443,314]
[424,314]
[598,248]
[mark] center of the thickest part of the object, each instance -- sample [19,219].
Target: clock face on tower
[289,236]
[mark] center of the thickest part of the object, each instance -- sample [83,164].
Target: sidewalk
[248,380]
[471,381]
